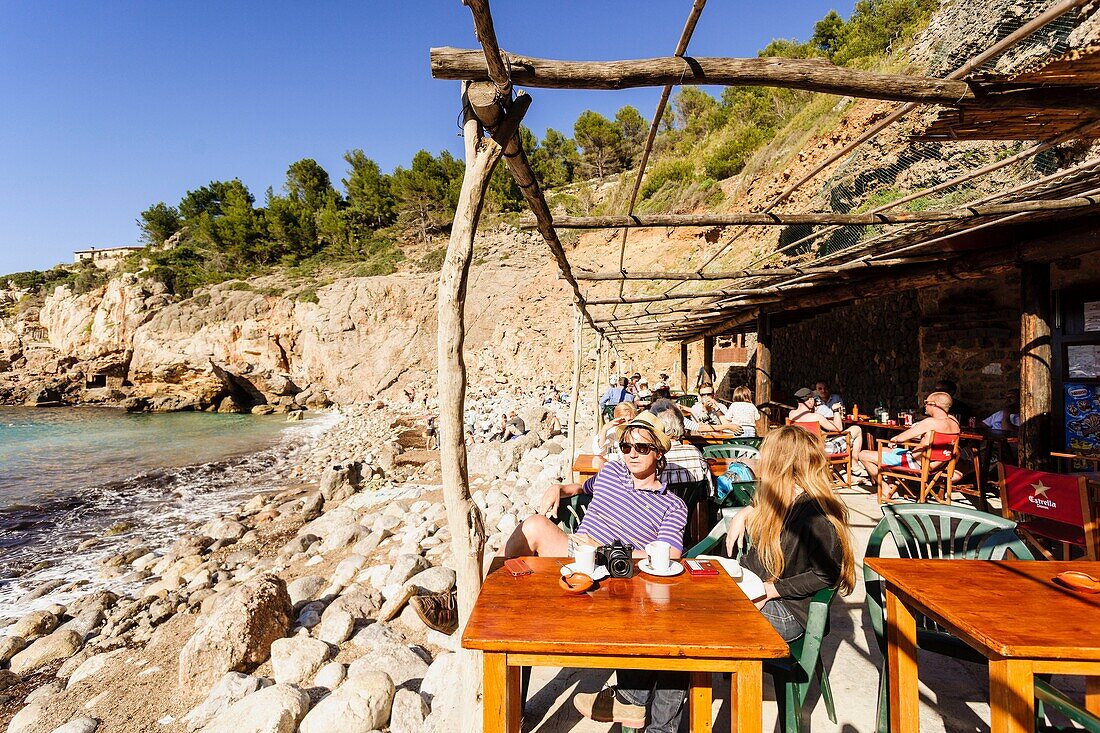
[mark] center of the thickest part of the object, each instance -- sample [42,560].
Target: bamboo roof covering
[897,249]
[1078,71]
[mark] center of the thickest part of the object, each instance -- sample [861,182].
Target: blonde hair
[625,409]
[742,394]
[790,459]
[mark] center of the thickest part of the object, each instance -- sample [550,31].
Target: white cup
[584,561]
[657,553]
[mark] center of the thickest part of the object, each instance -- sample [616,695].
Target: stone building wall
[970,334]
[868,351]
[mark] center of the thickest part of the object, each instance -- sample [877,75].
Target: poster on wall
[1083,417]
[1092,315]
[1083,361]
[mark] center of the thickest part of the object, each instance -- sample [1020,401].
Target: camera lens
[621,567]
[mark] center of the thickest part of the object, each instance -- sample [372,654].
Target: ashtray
[576,583]
[1078,581]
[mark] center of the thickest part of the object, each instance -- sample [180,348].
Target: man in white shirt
[1007,418]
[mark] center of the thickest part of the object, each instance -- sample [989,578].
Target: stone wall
[868,351]
[970,334]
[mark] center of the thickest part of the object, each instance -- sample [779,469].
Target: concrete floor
[954,694]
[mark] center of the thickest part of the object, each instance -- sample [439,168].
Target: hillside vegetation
[220,232]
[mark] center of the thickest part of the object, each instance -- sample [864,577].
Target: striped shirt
[618,511]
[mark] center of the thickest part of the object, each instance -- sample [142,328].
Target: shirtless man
[937,406]
[809,410]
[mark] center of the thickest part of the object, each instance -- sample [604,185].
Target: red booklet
[701,567]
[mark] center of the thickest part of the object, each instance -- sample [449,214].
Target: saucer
[674,568]
[598,574]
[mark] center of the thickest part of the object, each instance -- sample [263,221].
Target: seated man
[811,410]
[938,407]
[1007,418]
[514,427]
[616,394]
[708,415]
[632,503]
[830,399]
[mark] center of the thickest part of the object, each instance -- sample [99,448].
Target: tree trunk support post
[708,359]
[684,366]
[763,390]
[576,395]
[598,417]
[1036,382]
[464,519]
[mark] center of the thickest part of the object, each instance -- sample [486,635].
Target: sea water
[68,475]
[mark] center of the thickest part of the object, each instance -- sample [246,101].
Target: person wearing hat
[810,409]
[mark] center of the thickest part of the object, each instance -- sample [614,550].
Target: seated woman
[632,503]
[743,412]
[799,541]
[603,442]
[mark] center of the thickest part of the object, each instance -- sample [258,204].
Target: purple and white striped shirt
[618,511]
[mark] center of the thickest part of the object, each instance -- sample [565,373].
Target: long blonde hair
[790,459]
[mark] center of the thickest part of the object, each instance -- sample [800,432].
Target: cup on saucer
[584,559]
[657,553]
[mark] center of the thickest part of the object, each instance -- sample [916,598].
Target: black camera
[618,558]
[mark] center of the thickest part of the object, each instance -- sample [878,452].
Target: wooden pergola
[1051,104]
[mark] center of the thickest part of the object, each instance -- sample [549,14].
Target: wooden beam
[782,219]
[763,387]
[464,519]
[815,75]
[1036,380]
[759,272]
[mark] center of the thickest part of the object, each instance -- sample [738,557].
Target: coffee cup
[584,559]
[657,554]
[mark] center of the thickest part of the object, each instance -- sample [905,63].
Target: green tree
[695,110]
[427,192]
[204,200]
[555,160]
[291,228]
[828,33]
[633,128]
[238,230]
[308,182]
[600,139]
[369,190]
[159,222]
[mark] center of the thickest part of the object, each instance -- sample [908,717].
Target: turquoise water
[68,475]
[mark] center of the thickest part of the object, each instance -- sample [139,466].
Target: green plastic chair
[571,512]
[741,494]
[687,400]
[934,531]
[728,450]
[792,676]
[753,442]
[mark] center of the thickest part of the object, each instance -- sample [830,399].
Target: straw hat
[650,422]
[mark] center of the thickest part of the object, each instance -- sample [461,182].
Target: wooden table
[696,625]
[586,467]
[1010,612]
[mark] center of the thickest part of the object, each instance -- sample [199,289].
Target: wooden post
[598,419]
[576,385]
[708,359]
[763,390]
[1036,383]
[683,366]
[464,519]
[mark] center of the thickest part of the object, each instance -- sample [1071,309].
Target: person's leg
[666,705]
[537,535]
[782,620]
[869,459]
[855,439]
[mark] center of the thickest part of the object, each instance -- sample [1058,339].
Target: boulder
[336,625]
[330,676]
[347,569]
[408,712]
[57,646]
[360,705]
[305,589]
[404,567]
[341,481]
[393,605]
[224,529]
[35,623]
[342,537]
[26,720]
[434,580]
[78,725]
[238,633]
[441,673]
[91,666]
[275,709]
[232,687]
[401,663]
[10,646]
[295,660]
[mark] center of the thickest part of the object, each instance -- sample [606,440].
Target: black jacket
[813,556]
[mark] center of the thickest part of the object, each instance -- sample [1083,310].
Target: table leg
[1011,696]
[901,659]
[747,698]
[1092,695]
[699,702]
[501,695]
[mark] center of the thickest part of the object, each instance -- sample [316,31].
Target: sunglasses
[642,449]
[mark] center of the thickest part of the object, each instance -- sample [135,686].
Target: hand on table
[770,593]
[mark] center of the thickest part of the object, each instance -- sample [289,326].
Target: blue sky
[110,106]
